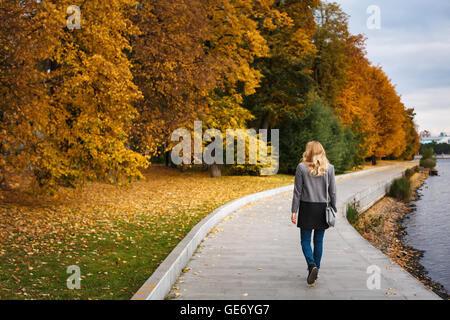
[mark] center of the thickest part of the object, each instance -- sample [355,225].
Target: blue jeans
[310,256]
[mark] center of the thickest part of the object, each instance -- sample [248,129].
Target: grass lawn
[117,236]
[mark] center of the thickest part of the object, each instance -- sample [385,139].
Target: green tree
[317,122]
[438,148]
[286,69]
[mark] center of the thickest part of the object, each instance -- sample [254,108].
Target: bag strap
[326,191]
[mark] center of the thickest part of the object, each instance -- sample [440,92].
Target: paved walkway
[255,253]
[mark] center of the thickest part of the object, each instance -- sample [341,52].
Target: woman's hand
[294,218]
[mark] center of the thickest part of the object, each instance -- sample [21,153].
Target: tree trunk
[265,122]
[167,158]
[214,170]
[374,160]
[4,185]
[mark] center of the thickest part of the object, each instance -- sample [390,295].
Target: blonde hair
[315,158]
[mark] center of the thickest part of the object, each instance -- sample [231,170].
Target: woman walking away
[310,200]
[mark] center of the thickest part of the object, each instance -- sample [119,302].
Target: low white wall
[366,198]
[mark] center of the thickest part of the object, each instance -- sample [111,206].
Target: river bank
[383,226]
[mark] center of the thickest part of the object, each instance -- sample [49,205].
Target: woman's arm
[298,183]
[332,188]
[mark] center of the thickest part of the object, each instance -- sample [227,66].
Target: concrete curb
[366,198]
[161,281]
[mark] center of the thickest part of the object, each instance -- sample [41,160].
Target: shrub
[416,169]
[409,173]
[400,189]
[427,152]
[376,221]
[244,170]
[427,163]
[352,215]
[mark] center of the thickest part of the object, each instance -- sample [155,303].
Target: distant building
[440,139]
[425,134]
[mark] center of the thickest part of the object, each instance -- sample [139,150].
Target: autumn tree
[78,94]
[237,41]
[192,62]
[412,138]
[92,88]
[389,115]
[172,68]
[370,104]
[332,60]
[286,69]
[22,93]
[356,102]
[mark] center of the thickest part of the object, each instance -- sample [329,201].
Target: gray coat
[311,188]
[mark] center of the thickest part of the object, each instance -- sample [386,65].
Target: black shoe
[312,273]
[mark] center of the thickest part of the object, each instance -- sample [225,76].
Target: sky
[413,47]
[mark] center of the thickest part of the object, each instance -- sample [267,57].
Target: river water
[428,225]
